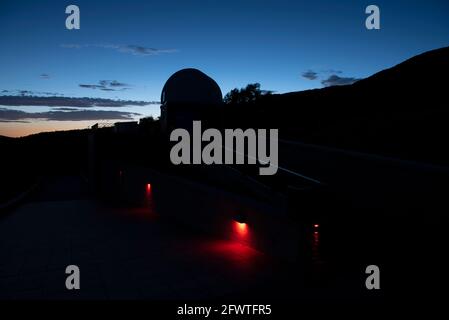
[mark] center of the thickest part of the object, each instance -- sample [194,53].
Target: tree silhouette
[248,95]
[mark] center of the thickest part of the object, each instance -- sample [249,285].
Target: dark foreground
[134,253]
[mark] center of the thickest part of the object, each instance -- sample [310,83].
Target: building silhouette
[190,95]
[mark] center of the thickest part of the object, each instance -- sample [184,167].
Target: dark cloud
[133,49]
[113,83]
[30,93]
[310,75]
[65,109]
[8,115]
[143,51]
[14,121]
[332,80]
[91,86]
[107,85]
[55,101]
[332,71]
[335,80]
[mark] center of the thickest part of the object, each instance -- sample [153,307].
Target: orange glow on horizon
[19,129]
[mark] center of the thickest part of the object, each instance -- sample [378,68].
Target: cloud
[313,75]
[132,49]
[29,93]
[143,51]
[44,76]
[91,86]
[14,121]
[65,109]
[113,83]
[333,71]
[25,92]
[332,80]
[335,80]
[8,115]
[107,85]
[310,75]
[58,101]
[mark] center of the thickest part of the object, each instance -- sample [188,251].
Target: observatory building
[190,95]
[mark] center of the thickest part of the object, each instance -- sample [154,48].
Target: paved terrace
[123,253]
[128,253]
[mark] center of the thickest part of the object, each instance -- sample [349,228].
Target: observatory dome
[191,86]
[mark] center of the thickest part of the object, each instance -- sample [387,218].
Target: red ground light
[240,229]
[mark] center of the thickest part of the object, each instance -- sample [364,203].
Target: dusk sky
[128,49]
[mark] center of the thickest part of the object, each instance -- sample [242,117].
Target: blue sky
[234,42]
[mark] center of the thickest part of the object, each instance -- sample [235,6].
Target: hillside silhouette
[24,160]
[401,111]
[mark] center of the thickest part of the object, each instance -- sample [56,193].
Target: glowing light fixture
[241,229]
[240,226]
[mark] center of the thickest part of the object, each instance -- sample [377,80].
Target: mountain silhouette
[4,138]
[400,111]
[420,77]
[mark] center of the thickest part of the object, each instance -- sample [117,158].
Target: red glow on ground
[238,255]
[316,252]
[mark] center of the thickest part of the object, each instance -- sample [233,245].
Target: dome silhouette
[189,95]
[189,86]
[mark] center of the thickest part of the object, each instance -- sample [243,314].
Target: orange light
[242,226]
[241,229]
